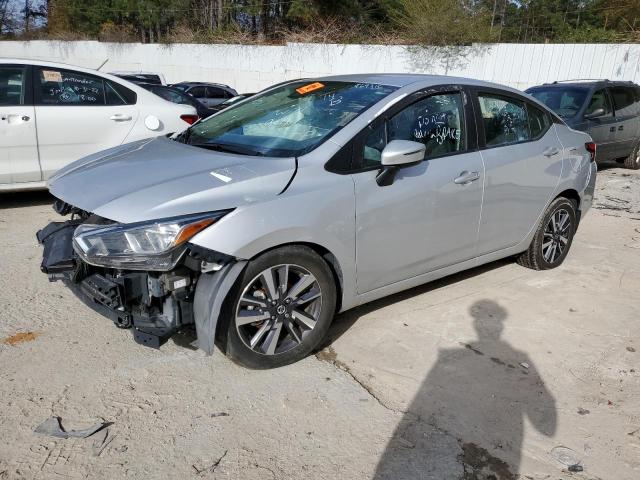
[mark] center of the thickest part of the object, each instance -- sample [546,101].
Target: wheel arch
[327,256]
[572,194]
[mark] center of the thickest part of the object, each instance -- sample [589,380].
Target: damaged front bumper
[154,304]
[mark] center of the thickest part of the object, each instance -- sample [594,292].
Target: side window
[436,121]
[599,99]
[213,92]
[198,92]
[12,86]
[505,120]
[539,121]
[65,87]
[117,94]
[624,101]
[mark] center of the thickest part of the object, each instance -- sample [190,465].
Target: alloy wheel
[278,309]
[556,235]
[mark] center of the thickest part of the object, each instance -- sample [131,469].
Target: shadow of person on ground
[479,394]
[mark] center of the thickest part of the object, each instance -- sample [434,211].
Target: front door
[18,140]
[428,217]
[77,114]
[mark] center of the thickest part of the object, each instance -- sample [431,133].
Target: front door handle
[621,127]
[466,178]
[550,152]
[612,129]
[120,117]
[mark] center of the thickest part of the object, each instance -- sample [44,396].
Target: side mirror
[598,112]
[398,154]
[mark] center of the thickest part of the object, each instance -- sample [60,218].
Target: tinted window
[214,92]
[198,92]
[539,121]
[599,99]
[504,119]
[65,87]
[624,101]
[287,121]
[173,96]
[437,122]
[12,86]
[117,94]
[565,101]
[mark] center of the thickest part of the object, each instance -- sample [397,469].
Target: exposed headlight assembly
[154,245]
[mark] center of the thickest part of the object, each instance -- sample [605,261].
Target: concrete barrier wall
[252,67]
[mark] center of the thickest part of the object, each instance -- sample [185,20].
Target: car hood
[160,178]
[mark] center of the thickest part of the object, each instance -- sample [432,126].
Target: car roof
[586,83]
[418,80]
[194,84]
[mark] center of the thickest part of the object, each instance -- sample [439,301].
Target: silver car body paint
[383,239]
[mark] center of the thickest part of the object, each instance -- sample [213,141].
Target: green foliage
[429,22]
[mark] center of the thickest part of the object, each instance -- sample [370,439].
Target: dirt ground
[500,372]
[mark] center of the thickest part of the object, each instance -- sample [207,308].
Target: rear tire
[632,162]
[553,237]
[290,295]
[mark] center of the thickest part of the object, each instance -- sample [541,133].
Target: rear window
[565,101]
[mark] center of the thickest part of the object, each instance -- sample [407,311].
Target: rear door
[523,163]
[18,139]
[78,114]
[602,128]
[625,105]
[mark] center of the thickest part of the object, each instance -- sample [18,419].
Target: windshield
[566,102]
[287,121]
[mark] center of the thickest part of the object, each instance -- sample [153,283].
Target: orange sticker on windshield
[309,88]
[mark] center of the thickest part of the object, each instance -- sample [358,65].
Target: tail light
[190,119]
[591,148]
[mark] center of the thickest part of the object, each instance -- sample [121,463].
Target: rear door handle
[120,117]
[612,129]
[550,152]
[466,177]
[621,127]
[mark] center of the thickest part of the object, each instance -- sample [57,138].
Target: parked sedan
[261,223]
[52,114]
[210,94]
[174,95]
[608,111]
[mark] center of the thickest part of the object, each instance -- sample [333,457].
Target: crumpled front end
[155,304]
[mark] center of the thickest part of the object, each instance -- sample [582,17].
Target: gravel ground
[500,372]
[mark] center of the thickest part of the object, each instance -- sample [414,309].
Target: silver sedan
[262,222]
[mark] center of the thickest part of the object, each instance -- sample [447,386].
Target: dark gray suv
[608,111]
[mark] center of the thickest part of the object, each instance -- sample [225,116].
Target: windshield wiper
[221,147]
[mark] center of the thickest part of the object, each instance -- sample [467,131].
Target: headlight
[156,245]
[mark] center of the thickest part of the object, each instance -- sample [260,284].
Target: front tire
[280,309]
[553,238]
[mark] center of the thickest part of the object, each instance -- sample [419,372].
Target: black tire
[534,257]
[230,338]
[632,162]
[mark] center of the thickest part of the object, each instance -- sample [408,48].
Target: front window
[565,101]
[287,121]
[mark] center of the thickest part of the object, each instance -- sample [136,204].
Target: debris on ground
[53,426]
[219,414]
[20,337]
[566,456]
[575,468]
[583,411]
[524,365]
[631,349]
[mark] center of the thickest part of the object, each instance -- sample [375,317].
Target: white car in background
[52,114]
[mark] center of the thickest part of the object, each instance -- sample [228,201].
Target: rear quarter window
[624,101]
